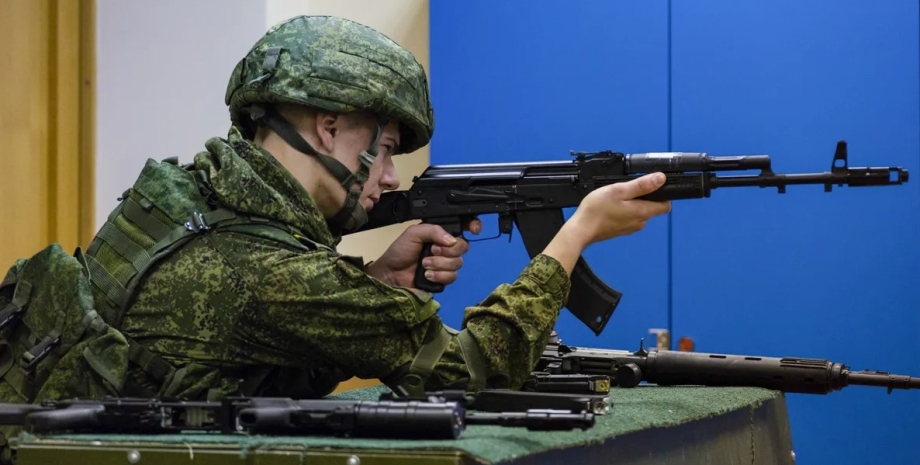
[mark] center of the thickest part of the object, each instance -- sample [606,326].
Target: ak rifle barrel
[853,177]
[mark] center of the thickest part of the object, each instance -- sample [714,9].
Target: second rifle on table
[441,415]
[628,369]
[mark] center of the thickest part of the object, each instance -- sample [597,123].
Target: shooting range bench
[646,425]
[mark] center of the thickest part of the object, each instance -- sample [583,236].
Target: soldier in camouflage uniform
[221,277]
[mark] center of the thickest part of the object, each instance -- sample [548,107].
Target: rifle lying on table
[503,400]
[433,418]
[670,368]
[533,196]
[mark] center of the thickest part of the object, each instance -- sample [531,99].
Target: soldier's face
[383,176]
[355,138]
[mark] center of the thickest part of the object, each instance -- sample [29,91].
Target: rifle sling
[475,364]
[425,360]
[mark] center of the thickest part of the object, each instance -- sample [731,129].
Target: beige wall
[46,126]
[404,21]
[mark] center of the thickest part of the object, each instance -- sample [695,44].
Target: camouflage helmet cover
[336,65]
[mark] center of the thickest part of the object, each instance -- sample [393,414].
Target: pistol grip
[454,227]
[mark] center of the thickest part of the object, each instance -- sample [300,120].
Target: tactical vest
[60,314]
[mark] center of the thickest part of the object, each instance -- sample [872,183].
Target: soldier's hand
[397,265]
[614,210]
[607,212]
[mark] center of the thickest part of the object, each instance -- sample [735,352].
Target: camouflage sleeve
[510,327]
[326,308]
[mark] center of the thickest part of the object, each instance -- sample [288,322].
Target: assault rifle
[671,368]
[405,419]
[533,196]
[504,400]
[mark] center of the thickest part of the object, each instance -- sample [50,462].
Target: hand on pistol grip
[455,227]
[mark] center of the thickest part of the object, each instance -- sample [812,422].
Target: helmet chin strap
[352,214]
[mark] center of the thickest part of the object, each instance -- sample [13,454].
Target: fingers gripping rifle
[533,196]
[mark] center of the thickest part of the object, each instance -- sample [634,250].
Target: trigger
[505,225]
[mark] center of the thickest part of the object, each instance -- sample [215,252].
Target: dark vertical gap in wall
[670,215]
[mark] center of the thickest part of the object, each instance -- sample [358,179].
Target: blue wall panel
[512,82]
[807,273]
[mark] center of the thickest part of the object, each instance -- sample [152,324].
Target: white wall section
[163,67]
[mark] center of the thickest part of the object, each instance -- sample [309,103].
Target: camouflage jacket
[229,308]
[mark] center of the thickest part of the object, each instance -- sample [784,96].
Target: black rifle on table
[672,368]
[506,400]
[404,419]
[533,196]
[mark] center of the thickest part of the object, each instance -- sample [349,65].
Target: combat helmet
[337,65]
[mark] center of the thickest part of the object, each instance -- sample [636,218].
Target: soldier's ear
[327,128]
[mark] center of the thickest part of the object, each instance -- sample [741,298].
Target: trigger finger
[474,226]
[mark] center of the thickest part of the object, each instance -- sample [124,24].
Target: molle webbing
[48,311]
[168,206]
[118,282]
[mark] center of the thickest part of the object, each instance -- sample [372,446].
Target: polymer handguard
[532,196]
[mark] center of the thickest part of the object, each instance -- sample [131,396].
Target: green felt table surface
[632,410]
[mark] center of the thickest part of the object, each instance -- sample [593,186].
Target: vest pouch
[47,311]
[46,308]
[8,314]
